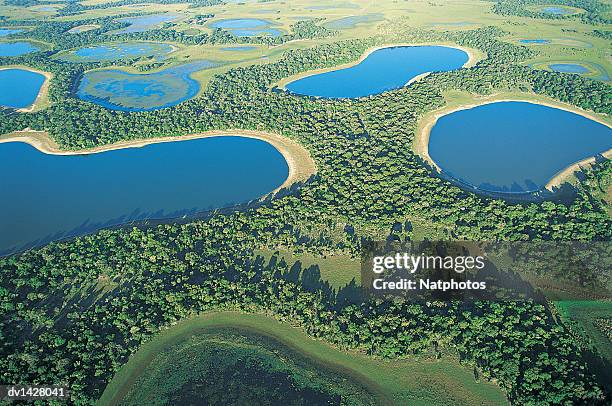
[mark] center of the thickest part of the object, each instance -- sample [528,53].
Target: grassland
[414,381]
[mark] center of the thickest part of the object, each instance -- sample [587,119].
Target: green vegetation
[409,380]
[73,312]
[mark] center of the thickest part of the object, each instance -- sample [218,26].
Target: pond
[239,49]
[114,52]
[119,90]
[145,23]
[17,48]
[51,196]
[382,70]
[7,31]
[558,10]
[247,27]
[19,87]
[568,68]
[352,21]
[535,41]
[513,147]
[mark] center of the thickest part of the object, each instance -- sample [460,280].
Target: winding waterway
[53,197]
[513,147]
[382,70]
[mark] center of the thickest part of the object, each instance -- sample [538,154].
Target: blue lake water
[247,27]
[557,10]
[19,87]
[119,90]
[49,197]
[384,69]
[17,48]
[513,147]
[7,31]
[352,21]
[535,41]
[241,49]
[568,68]
[145,23]
[114,52]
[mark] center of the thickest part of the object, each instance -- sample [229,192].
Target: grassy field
[414,381]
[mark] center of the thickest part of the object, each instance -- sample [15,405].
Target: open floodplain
[187,189]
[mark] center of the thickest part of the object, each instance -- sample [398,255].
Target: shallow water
[513,147]
[48,197]
[114,52]
[19,87]
[7,31]
[568,68]
[557,10]
[240,49]
[384,69]
[119,90]
[145,23]
[535,41]
[17,48]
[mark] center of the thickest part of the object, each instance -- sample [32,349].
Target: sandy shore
[472,60]
[42,93]
[300,163]
[421,142]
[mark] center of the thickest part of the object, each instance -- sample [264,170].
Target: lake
[17,48]
[513,147]
[7,31]
[19,87]
[48,197]
[382,70]
[119,90]
[247,27]
[240,49]
[145,23]
[534,41]
[558,10]
[117,51]
[568,68]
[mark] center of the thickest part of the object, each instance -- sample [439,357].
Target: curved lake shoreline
[428,121]
[300,163]
[42,92]
[410,373]
[473,58]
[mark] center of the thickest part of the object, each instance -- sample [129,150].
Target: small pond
[17,48]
